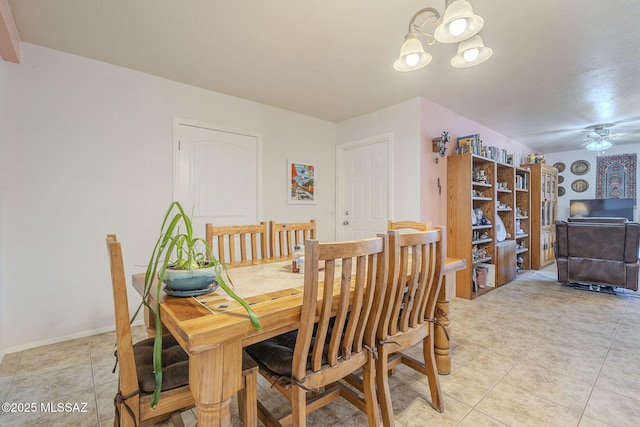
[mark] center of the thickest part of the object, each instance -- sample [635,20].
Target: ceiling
[558,66]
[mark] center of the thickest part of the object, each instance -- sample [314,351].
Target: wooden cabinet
[484,209]
[544,212]
[506,262]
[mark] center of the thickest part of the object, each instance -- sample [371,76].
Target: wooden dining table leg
[442,344]
[215,375]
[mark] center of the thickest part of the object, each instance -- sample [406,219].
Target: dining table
[213,328]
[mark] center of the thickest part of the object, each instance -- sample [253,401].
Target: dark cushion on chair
[175,364]
[275,354]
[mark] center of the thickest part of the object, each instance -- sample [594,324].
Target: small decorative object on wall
[579,185]
[560,166]
[301,187]
[560,179]
[440,145]
[561,191]
[616,177]
[580,167]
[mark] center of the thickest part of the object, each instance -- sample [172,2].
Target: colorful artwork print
[617,177]
[301,183]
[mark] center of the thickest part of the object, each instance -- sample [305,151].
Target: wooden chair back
[134,407]
[235,245]
[345,326]
[416,265]
[410,225]
[283,237]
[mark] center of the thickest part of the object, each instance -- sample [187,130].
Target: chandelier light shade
[471,52]
[412,55]
[459,24]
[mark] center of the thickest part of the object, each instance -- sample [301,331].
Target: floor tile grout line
[522,356]
[604,360]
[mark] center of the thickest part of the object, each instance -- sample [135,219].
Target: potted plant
[175,251]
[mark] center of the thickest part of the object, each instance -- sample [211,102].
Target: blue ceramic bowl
[189,280]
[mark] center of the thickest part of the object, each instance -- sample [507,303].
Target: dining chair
[235,245]
[416,262]
[136,378]
[336,336]
[411,225]
[283,237]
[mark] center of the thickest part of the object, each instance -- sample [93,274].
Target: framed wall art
[616,177]
[301,188]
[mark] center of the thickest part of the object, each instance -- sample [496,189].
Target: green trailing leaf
[175,249]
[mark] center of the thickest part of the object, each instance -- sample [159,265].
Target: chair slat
[284,236]
[237,244]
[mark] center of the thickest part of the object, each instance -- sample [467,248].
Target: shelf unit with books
[494,194]
[522,227]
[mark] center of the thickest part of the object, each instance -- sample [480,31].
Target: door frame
[177,121]
[341,149]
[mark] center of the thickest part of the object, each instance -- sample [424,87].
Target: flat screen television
[613,208]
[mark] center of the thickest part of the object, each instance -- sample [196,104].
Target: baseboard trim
[63,338]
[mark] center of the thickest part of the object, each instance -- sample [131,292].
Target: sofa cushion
[601,241]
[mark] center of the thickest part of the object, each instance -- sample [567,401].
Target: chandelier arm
[415,27]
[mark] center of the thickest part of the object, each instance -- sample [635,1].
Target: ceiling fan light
[599,145]
[467,56]
[412,55]
[458,23]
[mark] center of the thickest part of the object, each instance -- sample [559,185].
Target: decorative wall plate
[561,190]
[560,166]
[579,185]
[560,179]
[580,167]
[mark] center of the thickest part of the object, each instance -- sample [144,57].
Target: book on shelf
[470,144]
[484,275]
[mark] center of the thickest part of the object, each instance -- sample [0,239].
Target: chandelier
[458,25]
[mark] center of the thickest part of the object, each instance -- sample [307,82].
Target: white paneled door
[363,187]
[217,174]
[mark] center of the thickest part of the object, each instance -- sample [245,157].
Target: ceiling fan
[599,137]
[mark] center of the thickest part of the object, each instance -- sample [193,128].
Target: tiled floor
[531,353]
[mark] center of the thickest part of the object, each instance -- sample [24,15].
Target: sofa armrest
[562,238]
[632,243]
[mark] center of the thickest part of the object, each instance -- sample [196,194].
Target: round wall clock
[560,179]
[579,185]
[580,167]
[561,191]
[560,166]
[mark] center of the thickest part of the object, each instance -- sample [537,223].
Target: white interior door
[217,175]
[364,177]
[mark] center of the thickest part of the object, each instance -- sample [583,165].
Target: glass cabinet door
[552,198]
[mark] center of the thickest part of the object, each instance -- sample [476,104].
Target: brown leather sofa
[600,251]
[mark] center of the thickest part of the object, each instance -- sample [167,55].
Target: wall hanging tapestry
[616,177]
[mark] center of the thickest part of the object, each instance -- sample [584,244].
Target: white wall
[2,190]
[403,122]
[568,157]
[436,119]
[414,124]
[88,151]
